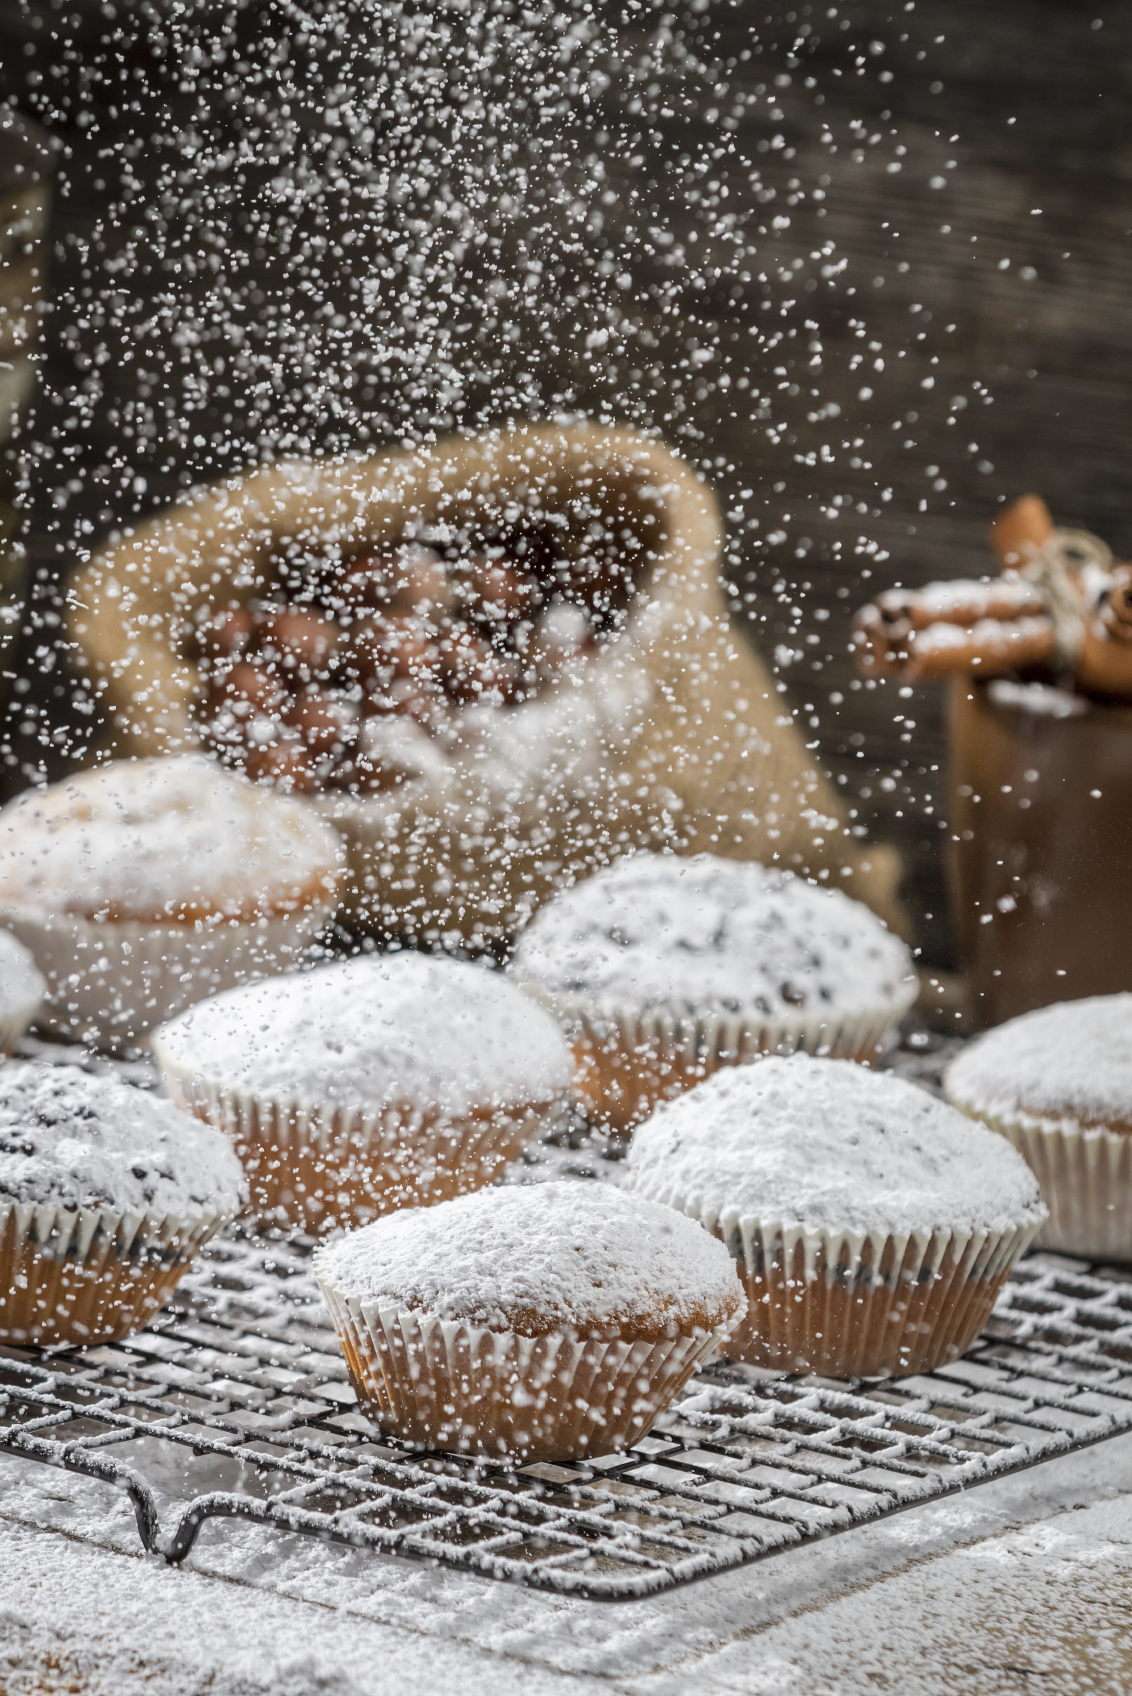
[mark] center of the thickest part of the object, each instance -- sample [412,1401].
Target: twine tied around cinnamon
[1062,607]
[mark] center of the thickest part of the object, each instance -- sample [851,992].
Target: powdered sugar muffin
[382,1082]
[664,969]
[871,1224]
[107,1194]
[22,988]
[1058,1083]
[548,1323]
[145,885]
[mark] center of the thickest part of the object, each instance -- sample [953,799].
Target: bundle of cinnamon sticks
[1061,608]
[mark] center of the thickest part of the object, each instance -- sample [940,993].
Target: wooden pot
[1041,845]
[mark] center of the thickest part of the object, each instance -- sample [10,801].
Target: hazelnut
[365,775]
[387,647]
[591,573]
[364,581]
[223,634]
[243,689]
[324,722]
[470,668]
[406,697]
[401,580]
[504,594]
[297,642]
[285,765]
[504,683]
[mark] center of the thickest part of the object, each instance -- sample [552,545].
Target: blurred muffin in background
[145,885]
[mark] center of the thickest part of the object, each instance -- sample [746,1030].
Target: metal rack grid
[236,1403]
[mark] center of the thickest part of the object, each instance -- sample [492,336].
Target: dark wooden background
[868,265]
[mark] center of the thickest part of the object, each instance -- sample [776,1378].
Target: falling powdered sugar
[656,930]
[829,1145]
[1070,1063]
[552,1257]
[75,1139]
[398,1029]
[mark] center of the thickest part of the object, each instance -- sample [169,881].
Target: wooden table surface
[1018,1586]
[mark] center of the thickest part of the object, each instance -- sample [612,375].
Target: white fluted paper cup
[316,1166]
[110,982]
[849,1304]
[1085,1177]
[81,1275]
[22,988]
[630,1061]
[456,1386]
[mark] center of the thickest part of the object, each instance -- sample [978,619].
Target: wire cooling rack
[236,1403]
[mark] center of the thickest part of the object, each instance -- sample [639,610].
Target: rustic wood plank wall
[866,264]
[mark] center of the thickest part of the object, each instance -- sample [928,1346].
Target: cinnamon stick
[880,649]
[1072,610]
[960,602]
[990,647]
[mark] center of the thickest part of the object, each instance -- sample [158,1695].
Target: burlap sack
[671,734]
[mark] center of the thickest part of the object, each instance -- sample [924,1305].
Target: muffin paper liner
[847,1304]
[452,1385]
[82,1275]
[629,1061]
[321,1167]
[14,1023]
[1085,1177]
[111,982]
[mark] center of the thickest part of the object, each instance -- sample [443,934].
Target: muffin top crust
[70,1138]
[22,984]
[164,841]
[830,1146]
[1069,1064]
[729,936]
[386,1030]
[563,1256]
